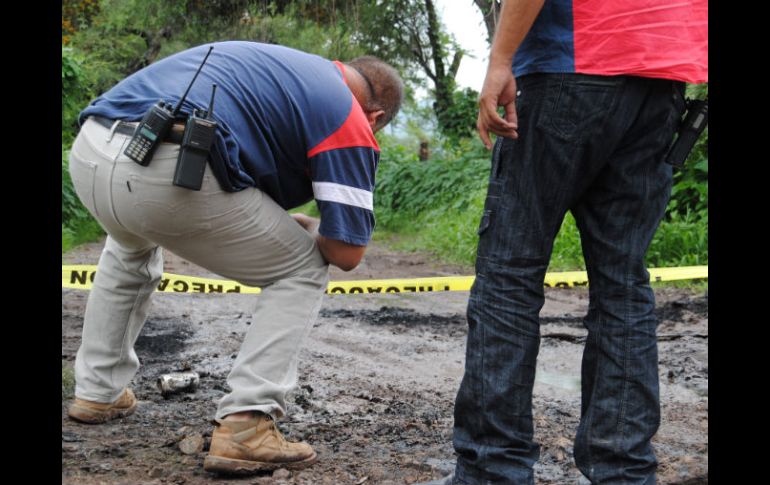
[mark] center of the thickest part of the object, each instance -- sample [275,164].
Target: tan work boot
[99,412]
[244,447]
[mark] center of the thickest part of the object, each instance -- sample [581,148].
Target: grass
[682,241]
[451,237]
[309,209]
[67,381]
[79,232]
[697,286]
[567,254]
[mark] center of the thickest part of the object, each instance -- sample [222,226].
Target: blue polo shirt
[288,125]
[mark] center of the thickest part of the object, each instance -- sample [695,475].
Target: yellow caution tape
[82,277]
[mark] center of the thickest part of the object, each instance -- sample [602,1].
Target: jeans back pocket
[576,105]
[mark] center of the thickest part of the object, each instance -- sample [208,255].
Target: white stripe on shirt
[343,194]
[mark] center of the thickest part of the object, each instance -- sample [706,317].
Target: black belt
[127,128]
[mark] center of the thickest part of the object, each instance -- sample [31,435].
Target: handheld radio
[196,144]
[155,125]
[693,125]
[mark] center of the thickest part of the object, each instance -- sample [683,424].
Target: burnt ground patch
[685,309]
[387,316]
[163,338]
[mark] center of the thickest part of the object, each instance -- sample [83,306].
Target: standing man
[593,93]
[291,127]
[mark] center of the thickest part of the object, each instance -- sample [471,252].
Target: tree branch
[490,10]
[419,54]
[455,63]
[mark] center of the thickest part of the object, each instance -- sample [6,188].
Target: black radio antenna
[210,111]
[179,105]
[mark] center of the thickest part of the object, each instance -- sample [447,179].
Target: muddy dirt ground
[378,377]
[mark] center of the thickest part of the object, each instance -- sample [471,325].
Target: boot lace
[282,442]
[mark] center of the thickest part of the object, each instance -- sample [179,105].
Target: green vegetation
[436,205]
[67,381]
[77,224]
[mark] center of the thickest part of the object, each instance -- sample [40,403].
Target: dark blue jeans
[593,145]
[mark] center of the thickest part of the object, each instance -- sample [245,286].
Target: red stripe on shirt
[354,132]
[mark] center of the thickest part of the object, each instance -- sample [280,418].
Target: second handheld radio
[196,143]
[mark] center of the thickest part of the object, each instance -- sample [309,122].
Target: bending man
[291,127]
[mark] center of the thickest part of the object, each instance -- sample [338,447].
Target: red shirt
[648,38]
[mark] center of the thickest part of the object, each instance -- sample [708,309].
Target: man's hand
[499,90]
[309,223]
[516,18]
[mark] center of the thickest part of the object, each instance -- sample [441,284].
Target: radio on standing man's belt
[693,125]
[155,125]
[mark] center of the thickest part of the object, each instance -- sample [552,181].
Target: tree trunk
[443,80]
[490,9]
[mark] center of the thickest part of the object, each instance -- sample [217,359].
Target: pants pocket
[163,209]
[488,218]
[83,176]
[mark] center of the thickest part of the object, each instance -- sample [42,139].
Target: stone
[281,474]
[192,444]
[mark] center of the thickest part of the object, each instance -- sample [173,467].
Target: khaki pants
[244,236]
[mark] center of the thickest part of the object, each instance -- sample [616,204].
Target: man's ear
[373,117]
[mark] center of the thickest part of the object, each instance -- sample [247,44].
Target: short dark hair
[385,86]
